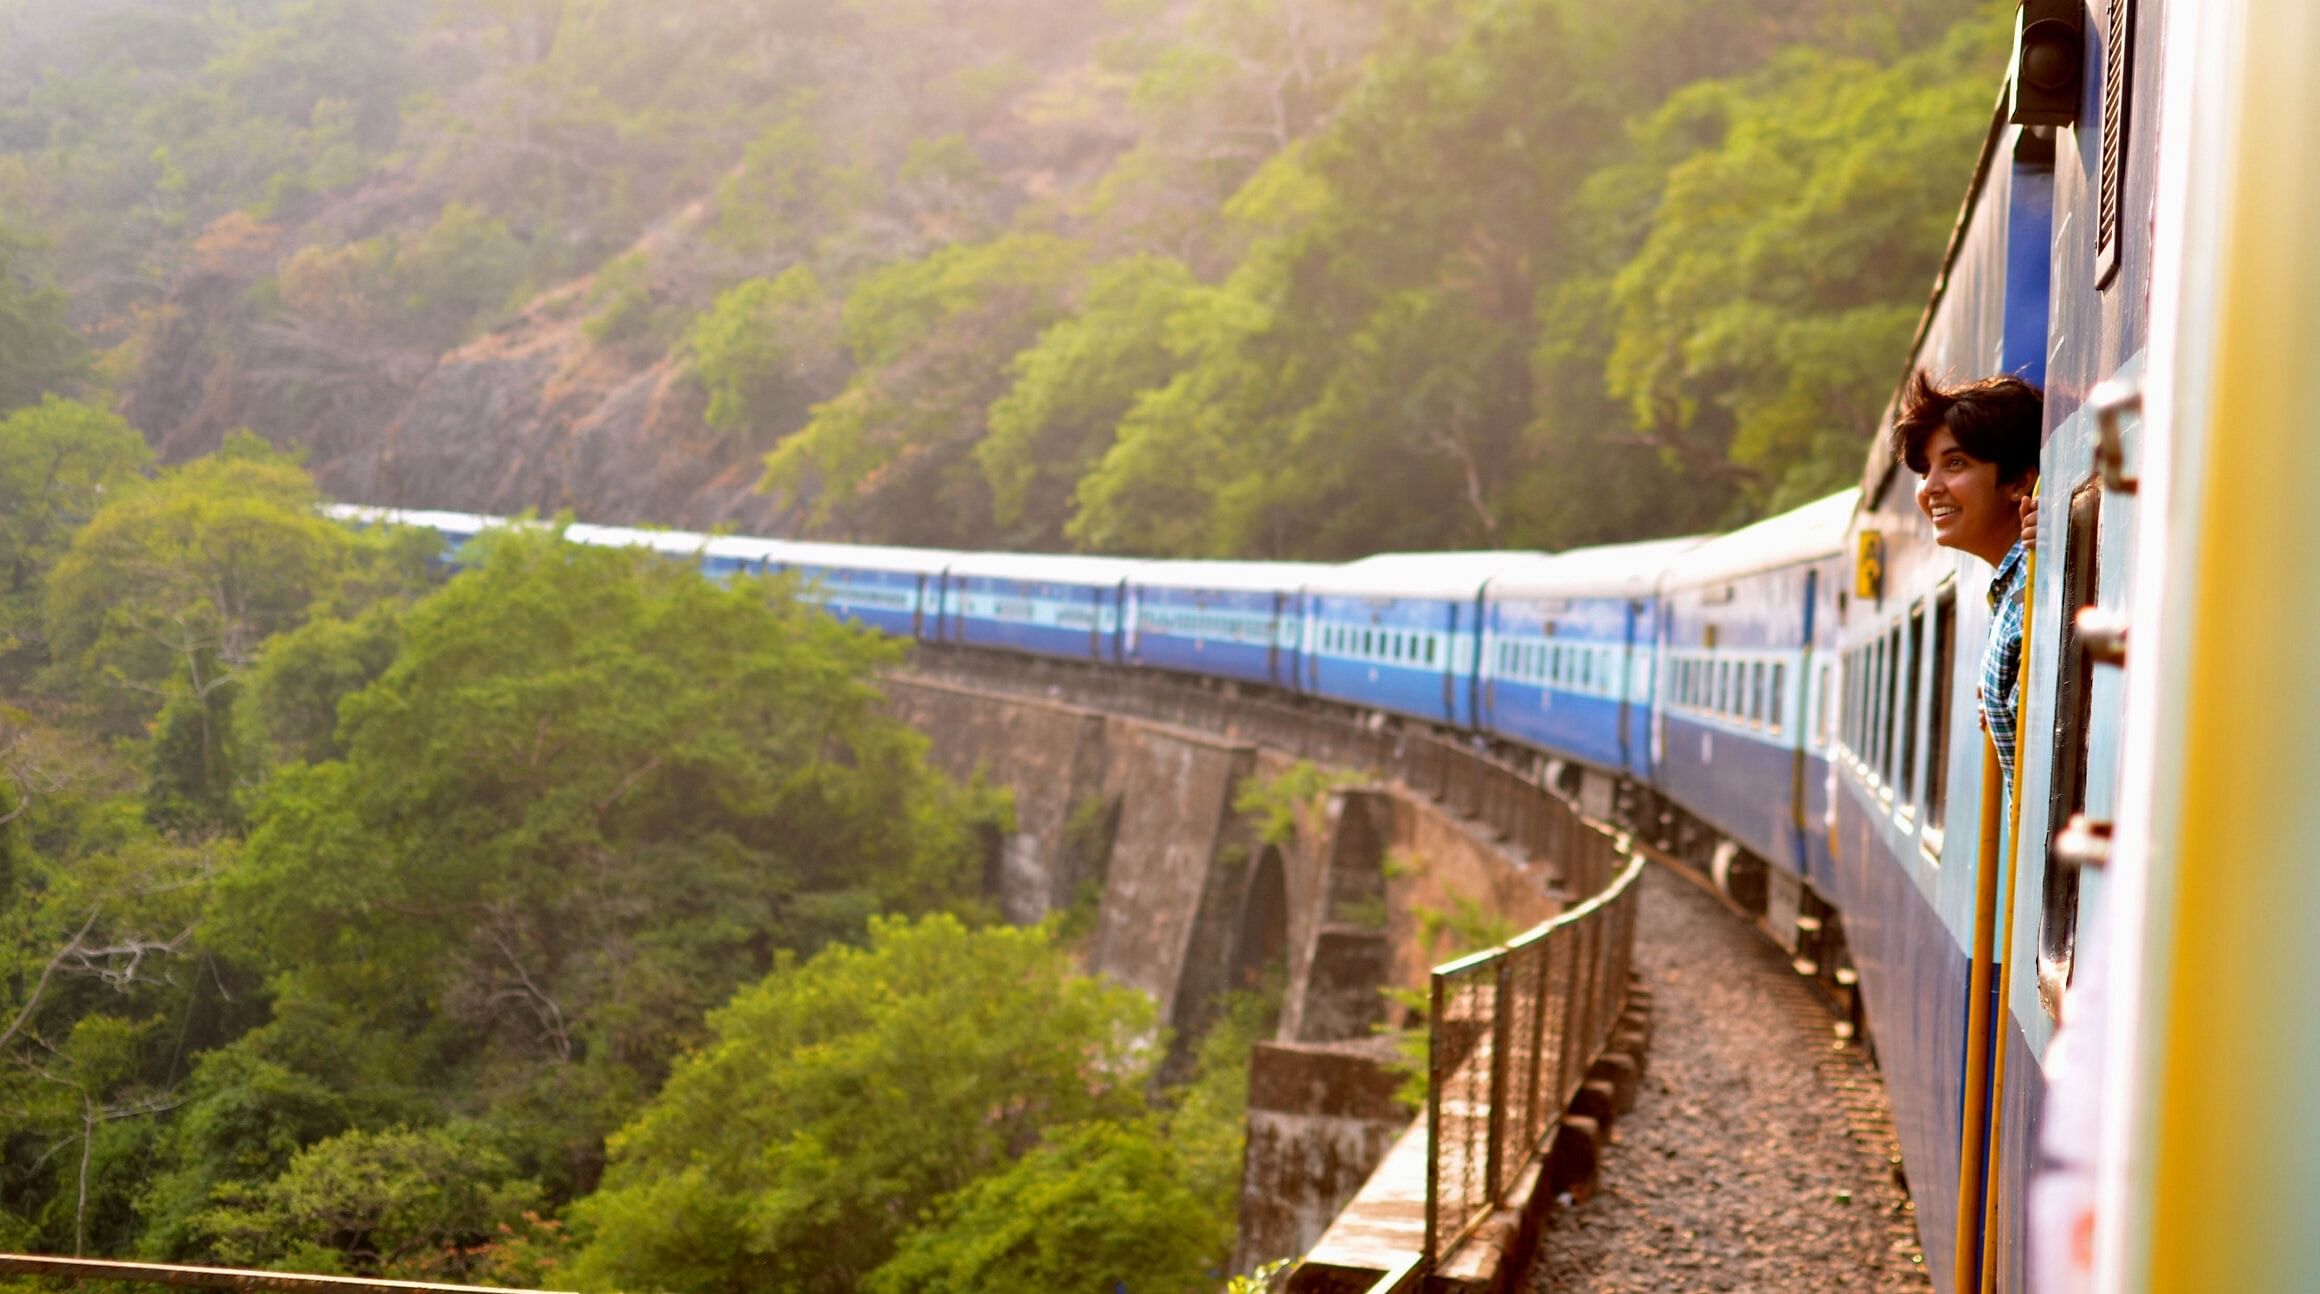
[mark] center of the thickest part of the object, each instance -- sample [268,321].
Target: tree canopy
[866,1085]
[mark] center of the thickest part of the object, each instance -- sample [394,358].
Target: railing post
[1493,1173]
[1534,1112]
[1434,1076]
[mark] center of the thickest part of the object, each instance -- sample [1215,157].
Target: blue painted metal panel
[1558,674]
[1409,655]
[1231,633]
[888,601]
[1075,621]
[1916,978]
[1738,780]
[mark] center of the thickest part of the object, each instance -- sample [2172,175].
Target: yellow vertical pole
[1974,1133]
[1993,1191]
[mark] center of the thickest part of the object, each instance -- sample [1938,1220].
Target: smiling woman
[1975,448]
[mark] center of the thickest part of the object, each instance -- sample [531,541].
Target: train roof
[856,557]
[468,523]
[1441,576]
[1231,577]
[1605,571]
[1063,569]
[673,543]
[1806,534]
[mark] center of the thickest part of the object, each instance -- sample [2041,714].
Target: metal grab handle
[2110,400]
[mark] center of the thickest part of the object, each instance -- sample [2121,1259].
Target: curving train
[1792,706]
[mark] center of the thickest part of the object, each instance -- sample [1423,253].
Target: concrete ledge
[1623,1074]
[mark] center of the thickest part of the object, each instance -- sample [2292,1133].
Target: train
[1791,707]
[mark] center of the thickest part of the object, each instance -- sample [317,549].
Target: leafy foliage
[40,354]
[847,1094]
[1095,1206]
[401,1202]
[592,793]
[59,460]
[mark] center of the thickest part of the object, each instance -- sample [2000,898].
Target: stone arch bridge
[1215,834]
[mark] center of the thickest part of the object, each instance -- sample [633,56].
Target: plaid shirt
[2002,657]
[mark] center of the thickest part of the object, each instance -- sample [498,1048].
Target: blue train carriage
[1237,620]
[1741,699]
[1569,661]
[1071,607]
[2047,277]
[896,591]
[1401,632]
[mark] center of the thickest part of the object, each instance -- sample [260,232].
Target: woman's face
[1970,509]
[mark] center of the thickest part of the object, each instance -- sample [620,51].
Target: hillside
[1252,277]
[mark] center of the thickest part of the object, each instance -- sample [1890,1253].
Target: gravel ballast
[1758,1155]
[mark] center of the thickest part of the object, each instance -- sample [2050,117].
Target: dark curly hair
[1996,419]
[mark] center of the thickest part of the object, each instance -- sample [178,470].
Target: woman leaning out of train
[1976,449]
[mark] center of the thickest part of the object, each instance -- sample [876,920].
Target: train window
[1937,736]
[1368,641]
[1821,723]
[1878,663]
[2074,703]
[1888,745]
[1905,769]
[1857,709]
[1429,649]
[1778,712]
[1757,710]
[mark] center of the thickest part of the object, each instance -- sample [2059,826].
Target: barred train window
[1937,738]
[1895,718]
[2058,924]
[1873,738]
[1906,769]
[1777,712]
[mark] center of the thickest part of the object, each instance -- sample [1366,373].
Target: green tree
[767,352]
[418,1203]
[1071,388]
[890,456]
[593,792]
[101,984]
[1782,272]
[1095,1206]
[59,462]
[40,352]
[845,1095]
[167,595]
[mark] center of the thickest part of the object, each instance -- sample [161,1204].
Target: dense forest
[570,918]
[573,920]
[1213,277]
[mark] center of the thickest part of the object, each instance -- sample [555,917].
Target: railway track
[1760,1155]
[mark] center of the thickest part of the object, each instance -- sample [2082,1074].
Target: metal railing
[1511,1034]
